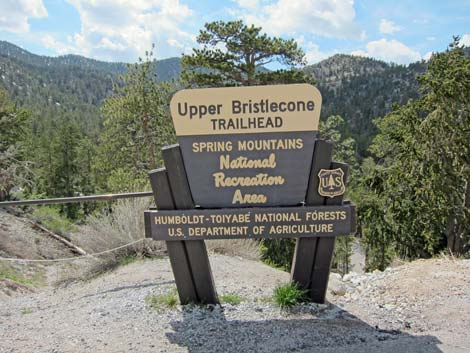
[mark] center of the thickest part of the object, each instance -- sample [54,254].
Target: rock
[339,291]
[335,276]
[336,285]
[356,281]
[348,276]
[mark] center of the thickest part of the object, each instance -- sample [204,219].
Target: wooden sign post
[249,164]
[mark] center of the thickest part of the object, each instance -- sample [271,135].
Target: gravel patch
[398,310]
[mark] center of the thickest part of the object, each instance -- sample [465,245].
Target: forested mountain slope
[359,89]
[72,84]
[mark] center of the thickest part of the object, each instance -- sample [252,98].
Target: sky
[396,31]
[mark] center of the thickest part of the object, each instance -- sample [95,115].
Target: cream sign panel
[247,146]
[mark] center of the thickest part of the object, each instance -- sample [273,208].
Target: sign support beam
[176,249]
[193,255]
[313,256]
[305,248]
[325,250]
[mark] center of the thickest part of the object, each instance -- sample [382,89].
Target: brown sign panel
[266,222]
[247,146]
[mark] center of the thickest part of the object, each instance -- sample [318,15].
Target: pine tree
[136,126]
[234,54]
[14,167]
[418,192]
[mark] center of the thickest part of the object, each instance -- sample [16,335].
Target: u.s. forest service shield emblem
[331,182]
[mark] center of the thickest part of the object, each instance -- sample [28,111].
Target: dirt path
[419,307]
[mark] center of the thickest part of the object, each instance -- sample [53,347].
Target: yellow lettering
[238,197]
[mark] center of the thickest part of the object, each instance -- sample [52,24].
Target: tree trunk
[452,237]
[455,230]
[148,142]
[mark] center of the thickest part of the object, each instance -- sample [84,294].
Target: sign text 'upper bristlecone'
[247,146]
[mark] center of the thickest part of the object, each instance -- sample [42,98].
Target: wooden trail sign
[249,164]
[247,146]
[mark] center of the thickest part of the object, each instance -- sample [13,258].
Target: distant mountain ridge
[361,89]
[72,84]
[166,68]
[357,88]
[338,68]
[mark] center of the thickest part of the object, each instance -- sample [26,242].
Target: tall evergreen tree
[136,126]
[234,54]
[419,189]
[14,167]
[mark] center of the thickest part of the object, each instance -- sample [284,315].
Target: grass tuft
[169,300]
[245,248]
[17,277]
[289,294]
[128,259]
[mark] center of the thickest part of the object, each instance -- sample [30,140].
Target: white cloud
[51,43]
[174,43]
[389,51]
[125,29]
[427,56]
[247,4]
[388,27]
[14,14]
[322,17]
[465,40]
[106,43]
[313,54]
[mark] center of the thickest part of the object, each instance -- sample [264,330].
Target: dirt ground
[423,306]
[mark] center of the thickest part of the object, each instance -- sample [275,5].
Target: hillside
[52,86]
[362,89]
[359,89]
[380,312]
[338,69]
[166,69]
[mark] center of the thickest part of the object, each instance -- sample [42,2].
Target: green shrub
[342,254]
[169,300]
[288,294]
[278,252]
[51,219]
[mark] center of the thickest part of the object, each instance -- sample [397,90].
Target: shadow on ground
[209,331]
